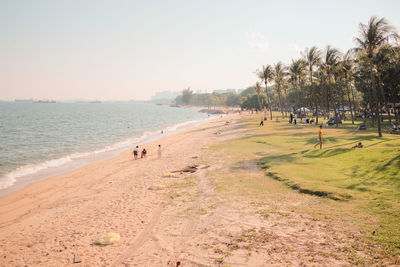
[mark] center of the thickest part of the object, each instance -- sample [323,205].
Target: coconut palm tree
[330,61]
[382,61]
[312,57]
[266,74]
[258,89]
[371,37]
[296,71]
[347,66]
[279,78]
[390,78]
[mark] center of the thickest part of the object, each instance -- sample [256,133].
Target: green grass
[366,179]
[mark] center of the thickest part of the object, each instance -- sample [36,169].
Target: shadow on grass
[288,158]
[359,187]
[394,161]
[304,190]
[365,138]
[255,136]
[281,158]
[314,140]
[383,141]
[328,153]
[298,127]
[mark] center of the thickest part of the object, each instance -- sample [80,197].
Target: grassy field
[361,185]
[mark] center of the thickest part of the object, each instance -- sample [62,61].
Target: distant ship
[44,101]
[23,100]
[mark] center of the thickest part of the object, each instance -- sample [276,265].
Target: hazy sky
[130,49]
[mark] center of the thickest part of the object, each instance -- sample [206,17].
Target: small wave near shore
[30,173]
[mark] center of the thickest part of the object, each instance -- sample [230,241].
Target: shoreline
[106,159]
[91,157]
[50,221]
[228,210]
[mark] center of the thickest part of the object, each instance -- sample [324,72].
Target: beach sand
[165,220]
[56,221]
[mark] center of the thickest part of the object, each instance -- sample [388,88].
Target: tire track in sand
[142,237]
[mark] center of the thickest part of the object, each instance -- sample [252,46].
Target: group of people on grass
[293,119]
[263,118]
[143,154]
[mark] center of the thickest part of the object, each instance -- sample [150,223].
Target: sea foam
[12,177]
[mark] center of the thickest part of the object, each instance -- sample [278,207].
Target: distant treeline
[366,77]
[246,99]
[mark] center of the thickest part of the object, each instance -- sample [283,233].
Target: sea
[40,140]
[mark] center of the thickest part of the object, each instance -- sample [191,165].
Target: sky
[123,50]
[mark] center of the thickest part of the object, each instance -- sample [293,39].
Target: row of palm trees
[366,75]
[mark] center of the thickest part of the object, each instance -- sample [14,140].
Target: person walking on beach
[144,153]
[319,138]
[262,121]
[136,152]
[159,151]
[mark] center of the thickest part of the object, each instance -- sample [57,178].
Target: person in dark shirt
[144,153]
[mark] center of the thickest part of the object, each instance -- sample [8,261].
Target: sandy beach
[56,221]
[279,141]
[228,212]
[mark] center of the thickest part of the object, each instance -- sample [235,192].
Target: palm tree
[330,62]
[382,61]
[371,37]
[390,78]
[347,66]
[266,75]
[279,78]
[258,89]
[312,57]
[296,71]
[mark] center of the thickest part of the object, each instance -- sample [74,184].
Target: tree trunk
[327,108]
[351,109]
[336,114]
[327,113]
[371,104]
[259,103]
[316,112]
[354,100]
[379,117]
[385,101]
[269,99]
[280,103]
[377,104]
[270,111]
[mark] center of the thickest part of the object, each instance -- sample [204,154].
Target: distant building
[225,91]
[165,95]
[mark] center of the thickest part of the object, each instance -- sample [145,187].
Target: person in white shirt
[136,152]
[159,151]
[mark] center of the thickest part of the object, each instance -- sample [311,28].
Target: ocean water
[40,139]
